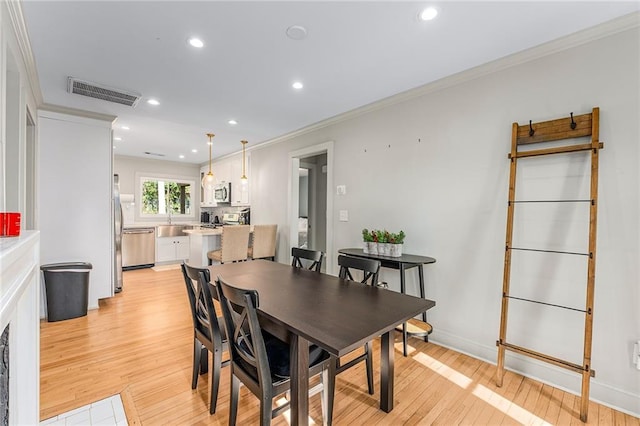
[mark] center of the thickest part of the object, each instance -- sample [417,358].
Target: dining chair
[264,242]
[370,269]
[261,361]
[234,242]
[314,258]
[209,334]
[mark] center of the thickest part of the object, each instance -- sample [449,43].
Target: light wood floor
[139,344]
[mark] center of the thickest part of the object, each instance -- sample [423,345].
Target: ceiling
[355,53]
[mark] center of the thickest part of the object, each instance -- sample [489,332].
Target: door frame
[293,199]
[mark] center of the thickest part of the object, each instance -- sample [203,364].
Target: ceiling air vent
[106,93]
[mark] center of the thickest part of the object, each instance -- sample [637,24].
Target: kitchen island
[202,241]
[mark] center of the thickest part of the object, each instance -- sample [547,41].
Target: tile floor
[106,412]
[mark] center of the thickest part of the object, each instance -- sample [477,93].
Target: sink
[172,230]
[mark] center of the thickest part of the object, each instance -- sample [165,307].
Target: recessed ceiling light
[181,156]
[196,42]
[153,102]
[194,150]
[232,122]
[124,127]
[296,32]
[428,14]
[297,85]
[117,138]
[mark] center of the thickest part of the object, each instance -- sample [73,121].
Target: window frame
[141,177]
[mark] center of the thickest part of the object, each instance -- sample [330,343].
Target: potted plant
[366,240]
[383,243]
[373,244]
[395,242]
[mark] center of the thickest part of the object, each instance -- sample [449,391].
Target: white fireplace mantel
[19,307]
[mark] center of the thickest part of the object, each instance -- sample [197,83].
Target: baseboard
[601,393]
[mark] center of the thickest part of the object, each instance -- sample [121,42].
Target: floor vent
[97,91]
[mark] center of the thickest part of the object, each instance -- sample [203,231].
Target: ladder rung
[548,251]
[557,150]
[550,201]
[546,303]
[547,358]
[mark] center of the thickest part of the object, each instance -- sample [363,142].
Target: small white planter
[373,248]
[384,249]
[396,250]
[365,247]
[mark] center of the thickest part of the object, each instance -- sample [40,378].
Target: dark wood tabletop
[337,315]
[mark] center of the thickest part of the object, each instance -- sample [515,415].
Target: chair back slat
[205,319]
[313,256]
[370,268]
[247,347]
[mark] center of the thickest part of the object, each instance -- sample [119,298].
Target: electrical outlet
[341,190]
[344,216]
[636,354]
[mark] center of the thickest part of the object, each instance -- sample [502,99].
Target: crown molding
[78,113]
[16,16]
[606,29]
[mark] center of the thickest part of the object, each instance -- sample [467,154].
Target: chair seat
[223,331]
[279,356]
[215,255]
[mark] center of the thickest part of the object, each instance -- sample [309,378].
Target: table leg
[404,324]
[421,281]
[299,366]
[386,372]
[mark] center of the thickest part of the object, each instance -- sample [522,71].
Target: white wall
[127,167]
[75,197]
[436,166]
[19,256]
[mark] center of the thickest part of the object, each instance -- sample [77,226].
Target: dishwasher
[138,248]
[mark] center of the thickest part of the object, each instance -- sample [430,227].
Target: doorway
[310,200]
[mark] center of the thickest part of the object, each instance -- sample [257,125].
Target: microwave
[222,193]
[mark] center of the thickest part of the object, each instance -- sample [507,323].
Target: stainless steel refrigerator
[117,235]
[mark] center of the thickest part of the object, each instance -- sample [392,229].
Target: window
[165,196]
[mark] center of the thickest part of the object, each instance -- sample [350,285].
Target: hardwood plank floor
[139,343]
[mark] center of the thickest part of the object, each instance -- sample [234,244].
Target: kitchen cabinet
[171,249]
[222,173]
[239,192]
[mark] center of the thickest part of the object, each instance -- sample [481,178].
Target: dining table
[305,307]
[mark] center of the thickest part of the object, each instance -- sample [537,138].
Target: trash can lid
[66,265]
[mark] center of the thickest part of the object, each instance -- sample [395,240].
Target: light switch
[344,215]
[341,190]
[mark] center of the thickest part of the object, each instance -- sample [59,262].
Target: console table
[402,263]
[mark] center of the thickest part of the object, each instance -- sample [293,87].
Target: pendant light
[243,180]
[209,180]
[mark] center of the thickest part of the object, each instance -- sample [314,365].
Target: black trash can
[67,289]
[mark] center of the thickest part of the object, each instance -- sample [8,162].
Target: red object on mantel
[9,224]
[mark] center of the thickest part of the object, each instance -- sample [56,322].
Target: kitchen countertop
[204,231]
[208,231]
[156,224]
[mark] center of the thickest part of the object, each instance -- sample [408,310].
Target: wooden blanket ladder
[586,125]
